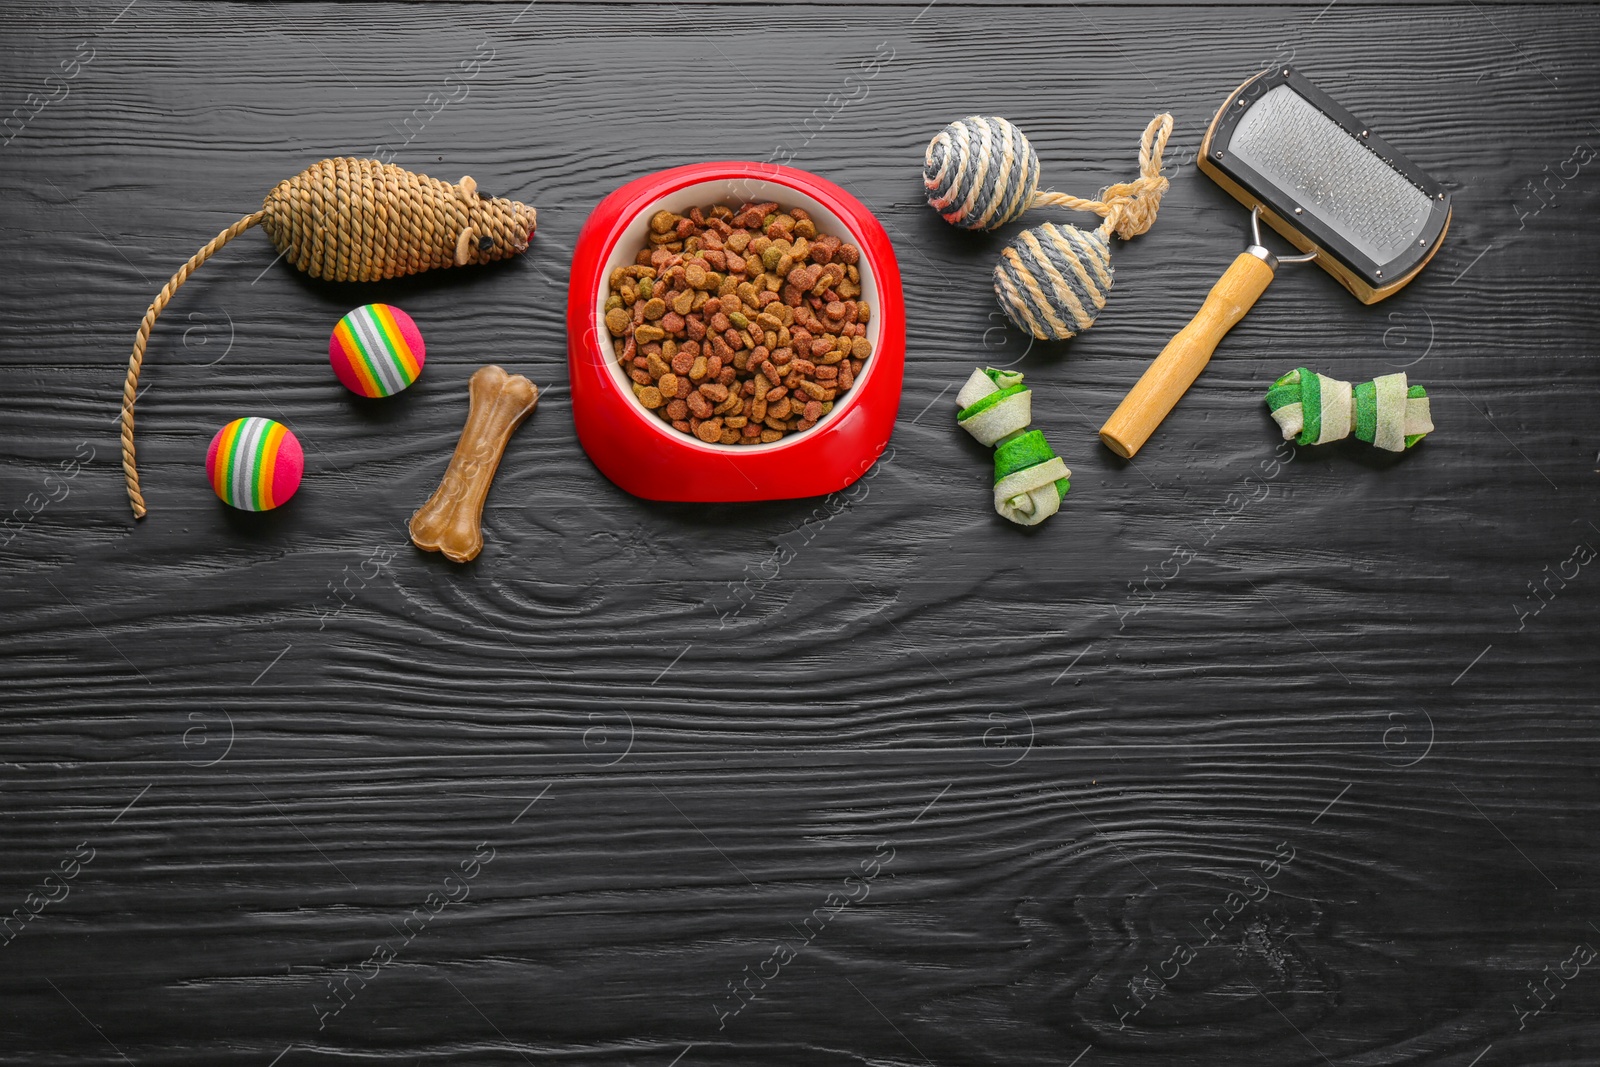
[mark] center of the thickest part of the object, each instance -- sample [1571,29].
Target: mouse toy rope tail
[130,388]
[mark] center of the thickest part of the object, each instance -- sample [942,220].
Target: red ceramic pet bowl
[647,457]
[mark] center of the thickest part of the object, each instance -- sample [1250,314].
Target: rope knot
[1132,206]
[1129,208]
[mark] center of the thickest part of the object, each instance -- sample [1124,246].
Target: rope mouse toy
[981,173]
[353,220]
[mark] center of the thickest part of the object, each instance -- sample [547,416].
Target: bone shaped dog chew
[452,520]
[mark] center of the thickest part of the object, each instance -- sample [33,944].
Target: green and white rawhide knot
[1313,409]
[994,403]
[1030,480]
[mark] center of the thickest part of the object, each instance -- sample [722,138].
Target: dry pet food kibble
[740,325]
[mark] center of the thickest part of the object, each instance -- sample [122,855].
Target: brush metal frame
[1367,280]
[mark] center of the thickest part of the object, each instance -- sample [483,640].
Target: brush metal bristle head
[1326,182]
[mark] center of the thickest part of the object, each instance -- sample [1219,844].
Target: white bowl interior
[733,192]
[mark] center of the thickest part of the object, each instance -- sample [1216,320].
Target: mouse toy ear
[464,244]
[469,190]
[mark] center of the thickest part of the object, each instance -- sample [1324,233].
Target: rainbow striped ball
[376,350]
[255,464]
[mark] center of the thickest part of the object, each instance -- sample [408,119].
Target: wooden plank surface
[1232,762]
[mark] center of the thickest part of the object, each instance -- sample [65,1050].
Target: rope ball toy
[1314,409]
[353,220]
[1030,480]
[981,173]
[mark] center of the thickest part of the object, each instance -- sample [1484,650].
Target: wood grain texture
[679,728]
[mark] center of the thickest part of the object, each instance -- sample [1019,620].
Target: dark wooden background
[279,734]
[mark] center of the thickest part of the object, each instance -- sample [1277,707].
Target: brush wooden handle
[1175,369]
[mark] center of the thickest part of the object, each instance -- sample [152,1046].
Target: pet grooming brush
[1338,192]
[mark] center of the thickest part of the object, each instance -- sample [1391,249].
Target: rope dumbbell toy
[981,173]
[1313,409]
[353,220]
[1030,480]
